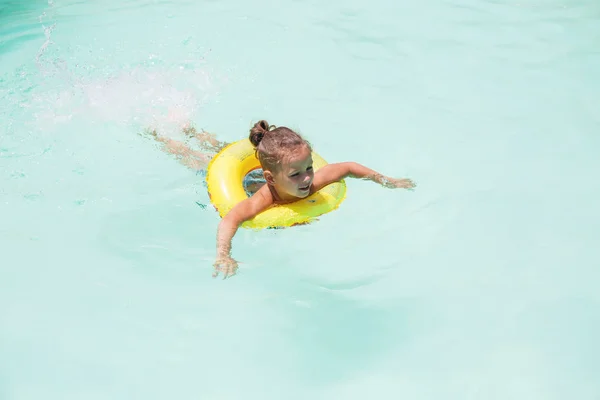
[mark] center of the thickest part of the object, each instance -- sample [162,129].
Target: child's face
[295,175]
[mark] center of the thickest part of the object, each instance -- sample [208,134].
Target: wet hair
[273,143]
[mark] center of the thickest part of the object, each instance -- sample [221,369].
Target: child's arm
[336,172]
[229,225]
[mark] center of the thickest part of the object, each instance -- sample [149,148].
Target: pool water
[480,284]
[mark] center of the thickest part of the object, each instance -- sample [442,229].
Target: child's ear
[269,177]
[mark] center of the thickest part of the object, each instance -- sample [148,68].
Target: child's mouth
[304,188]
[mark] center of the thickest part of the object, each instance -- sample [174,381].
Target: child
[285,158]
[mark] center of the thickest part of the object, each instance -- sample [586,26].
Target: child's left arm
[336,172]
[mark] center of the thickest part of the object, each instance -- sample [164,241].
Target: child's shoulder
[252,206]
[262,198]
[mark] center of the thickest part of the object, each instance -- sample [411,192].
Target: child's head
[285,158]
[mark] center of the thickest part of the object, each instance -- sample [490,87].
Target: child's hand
[227,265]
[393,183]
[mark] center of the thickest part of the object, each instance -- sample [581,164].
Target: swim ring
[225,175]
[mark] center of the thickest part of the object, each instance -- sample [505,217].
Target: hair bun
[257,133]
[256,137]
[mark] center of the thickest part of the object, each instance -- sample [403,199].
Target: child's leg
[206,140]
[195,160]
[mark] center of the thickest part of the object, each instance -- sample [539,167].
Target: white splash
[161,99]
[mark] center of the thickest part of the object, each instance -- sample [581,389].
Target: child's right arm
[229,225]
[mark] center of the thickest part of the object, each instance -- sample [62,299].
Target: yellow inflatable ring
[225,176]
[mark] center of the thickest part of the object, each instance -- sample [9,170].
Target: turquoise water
[481,284]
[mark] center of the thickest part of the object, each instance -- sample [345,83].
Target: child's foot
[148,133]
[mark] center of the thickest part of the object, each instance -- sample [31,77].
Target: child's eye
[294,174]
[309,168]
